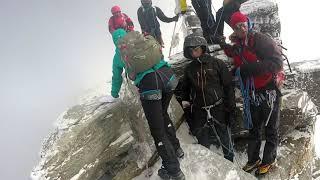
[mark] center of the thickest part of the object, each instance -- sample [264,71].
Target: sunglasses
[240,25]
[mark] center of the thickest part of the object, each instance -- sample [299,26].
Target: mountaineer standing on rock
[119,20]
[156,82]
[207,88]
[259,65]
[147,16]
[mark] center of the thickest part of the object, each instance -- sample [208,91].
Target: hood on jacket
[118,34]
[194,41]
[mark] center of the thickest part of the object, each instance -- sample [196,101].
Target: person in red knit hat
[119,20]
[258,61]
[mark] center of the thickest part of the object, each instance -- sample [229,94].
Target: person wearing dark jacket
[147,16]
[258,61]
[207,85]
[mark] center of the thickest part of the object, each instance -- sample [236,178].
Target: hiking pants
[224,14]
[206,134]
[259,116]
[204,13]
[155,109]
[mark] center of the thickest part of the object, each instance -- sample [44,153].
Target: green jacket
[118,66]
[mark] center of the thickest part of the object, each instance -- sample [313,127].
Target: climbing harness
[211,120]
[272,96]
[208,108]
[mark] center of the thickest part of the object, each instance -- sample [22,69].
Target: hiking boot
[251,166]
[179,153]
[263,169]
[163,174]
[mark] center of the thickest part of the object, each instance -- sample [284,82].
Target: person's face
[241,29]
[117,13]
[196,51]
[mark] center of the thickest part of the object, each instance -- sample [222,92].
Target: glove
[176,18]
[108,99]
[233,38]
[145,33]
[185,104]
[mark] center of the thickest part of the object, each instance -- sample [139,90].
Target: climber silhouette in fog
[147,16]
[119,20]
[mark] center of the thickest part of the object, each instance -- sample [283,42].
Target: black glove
[183,12]
[176,18]
[224,45]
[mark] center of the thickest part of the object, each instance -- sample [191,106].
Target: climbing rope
[245,91]
[272,96]
[211,120]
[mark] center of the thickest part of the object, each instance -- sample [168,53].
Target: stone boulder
[295,155]
[306,76]
[95,138]
[264,15]
[200,163]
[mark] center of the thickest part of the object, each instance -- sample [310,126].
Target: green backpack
[139,53]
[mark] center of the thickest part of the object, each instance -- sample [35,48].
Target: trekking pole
[283,47]
[174,30]
[286,58]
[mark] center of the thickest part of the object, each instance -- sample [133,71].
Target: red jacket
[120,21]
[262,55]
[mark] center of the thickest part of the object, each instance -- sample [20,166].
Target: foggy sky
[51,51]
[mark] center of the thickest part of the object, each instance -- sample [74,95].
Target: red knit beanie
[236,18]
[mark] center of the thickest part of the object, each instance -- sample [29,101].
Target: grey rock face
[306,76]
[295,155]
[92,139]
[202,163]
[264,15]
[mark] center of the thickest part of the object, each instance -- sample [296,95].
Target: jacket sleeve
[116,76]
[163,17]
[269,55]
[129,22]
[185,87]
[111,25]
[141,20]
[226,81]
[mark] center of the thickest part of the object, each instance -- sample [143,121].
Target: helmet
[115,9]
[193,40]
[146,3]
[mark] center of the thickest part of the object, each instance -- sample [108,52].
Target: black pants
[160,124]
[204,13]
[259,116]
[205,133]
[224,15]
